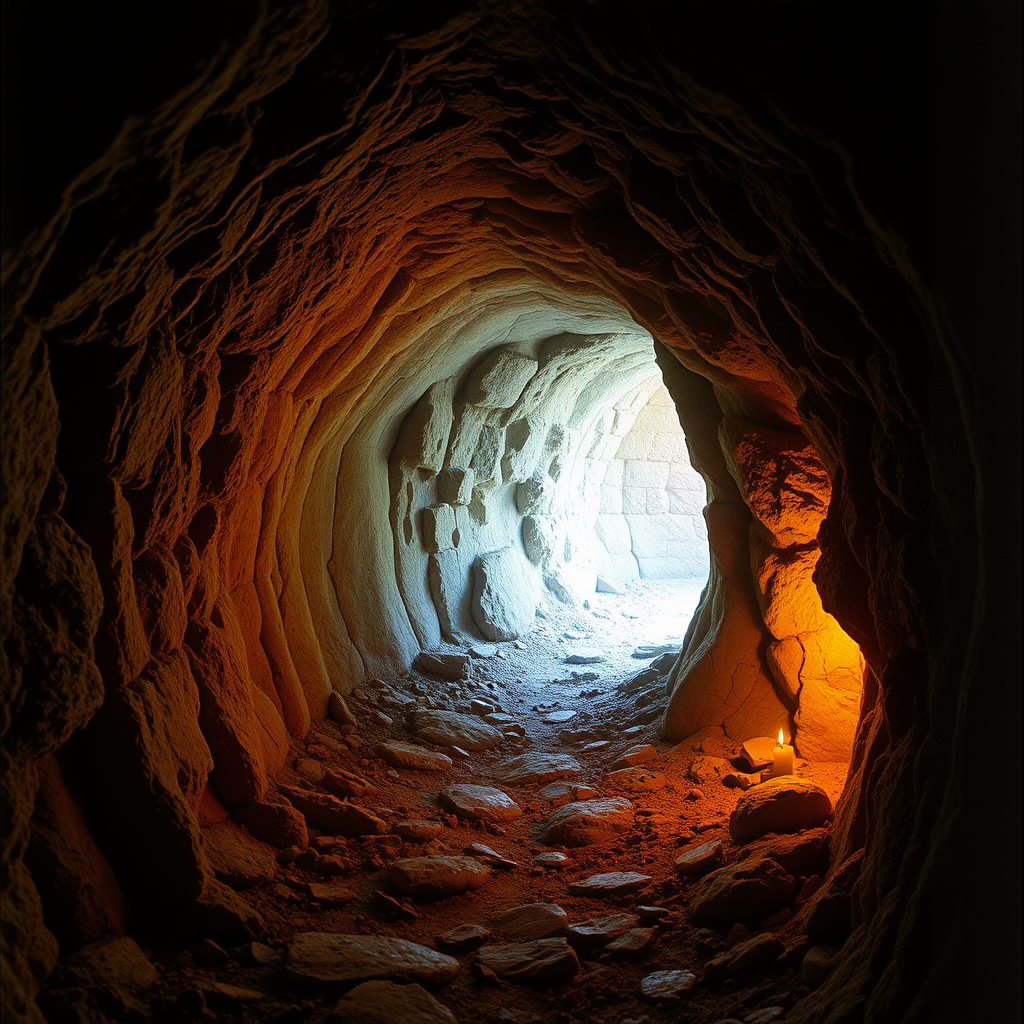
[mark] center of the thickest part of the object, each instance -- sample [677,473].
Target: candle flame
[782,739]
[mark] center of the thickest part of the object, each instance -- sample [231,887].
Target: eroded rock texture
[360,299]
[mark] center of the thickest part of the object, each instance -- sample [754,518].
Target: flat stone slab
[749,890]
[236,857]
[336,817]
[700,859]
[489,856]
[464,939]
[529,769]
[611,883]
[452,729]
[552,860]
[632,945]
[556,717]
[483,650]
[543,962]
[588,821]
[384,1002]
[788,804]
[531,921]
[646,651]
[445,666]
[584,656]
[599,931]
[409,755]
[331,961]
[336,895]
[416,829]
[754,954]
[434,878]
[636,780]
[757,752]
[478,803]
[559,793]
[667,986]
[639,754]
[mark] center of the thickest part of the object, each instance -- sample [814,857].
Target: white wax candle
[783,758]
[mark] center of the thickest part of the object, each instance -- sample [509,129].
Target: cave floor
[529,680]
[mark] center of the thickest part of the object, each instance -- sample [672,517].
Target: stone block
[533,495]
[424,434]
[455,486]
[613,532]
[438,528]
[611,500]
[657,501]
[687,503]
[634,501]
[644,474]
[499,380]
[503,603]
[541,536]
[490,446]
[683,477]
[651,534]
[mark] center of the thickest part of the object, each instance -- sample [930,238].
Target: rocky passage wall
[256,295]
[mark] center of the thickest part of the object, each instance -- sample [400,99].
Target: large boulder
[747,891]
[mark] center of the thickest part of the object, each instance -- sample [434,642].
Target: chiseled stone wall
[652,499]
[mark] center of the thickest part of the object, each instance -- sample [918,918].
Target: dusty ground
[529,680]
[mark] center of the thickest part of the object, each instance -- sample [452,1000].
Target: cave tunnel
[361,363]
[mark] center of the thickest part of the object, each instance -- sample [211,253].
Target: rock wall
[213,345]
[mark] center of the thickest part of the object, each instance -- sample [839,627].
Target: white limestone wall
[652,500]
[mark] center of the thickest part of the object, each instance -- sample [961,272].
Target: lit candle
[783,758]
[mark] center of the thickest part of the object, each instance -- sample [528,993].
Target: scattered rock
[335,895]
[757,752]
[338,711]
[483,708]
[584,656]
[786,804]
[559,716]
[803,854]
[436,877]
[654,915]
[737,780]
[529,769]
[589,821]
[344,784]
[632,945]
[639,754]
[329,814]
[329,961]
[531,921]
[551,859]
[452,729]
[637,780]
[667,986]
[417,829]
[237,858]
[599,931]
[489,856]
[744,891]
[209,952]
[221,992]
[765,1015]
[647,651]
[755,953]
[278,824]
[384,1002]
[464,939]
[117,963]
[310,769]
[611,883]
[379,718]
[483,650]
[409,755]
[543,962]
[389,905]
[607,585]
[479,803]
[819,963]
[221,913]
[261,954]
[452,667]
[559,793]
[699,860]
